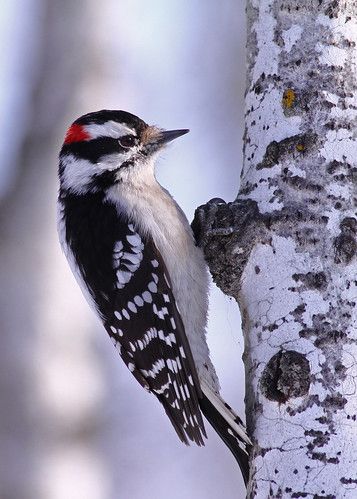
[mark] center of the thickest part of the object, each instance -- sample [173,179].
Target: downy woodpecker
[133,253]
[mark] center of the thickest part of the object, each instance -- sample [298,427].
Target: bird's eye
[127,141]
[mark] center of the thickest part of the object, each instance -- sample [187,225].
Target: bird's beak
[169,135]
[154,138]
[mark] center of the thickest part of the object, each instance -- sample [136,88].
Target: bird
[135,258]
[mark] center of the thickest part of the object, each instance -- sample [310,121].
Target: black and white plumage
[133,253]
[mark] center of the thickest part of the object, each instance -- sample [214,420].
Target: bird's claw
[202,224]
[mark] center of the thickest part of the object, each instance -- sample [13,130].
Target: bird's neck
[154,212]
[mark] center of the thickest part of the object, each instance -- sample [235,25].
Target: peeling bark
[289,245]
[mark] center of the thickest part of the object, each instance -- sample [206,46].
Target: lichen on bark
[290,259]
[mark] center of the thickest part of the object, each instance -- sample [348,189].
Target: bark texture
[288,255]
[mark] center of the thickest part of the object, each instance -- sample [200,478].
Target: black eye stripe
[93,150]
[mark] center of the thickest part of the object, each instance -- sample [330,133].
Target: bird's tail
[228,426]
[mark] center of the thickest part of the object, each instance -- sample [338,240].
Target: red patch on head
[76,133]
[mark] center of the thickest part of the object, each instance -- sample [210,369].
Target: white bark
[291,261]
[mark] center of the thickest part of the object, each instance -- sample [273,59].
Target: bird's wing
[140,314]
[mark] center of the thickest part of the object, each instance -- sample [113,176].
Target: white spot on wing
[123,276]
[118,247]
[147,296]
[138,249]
[132,307]
[163,388]
[178,362]
[139,301]
[125,313]
[134,258]
[155,369]
[160,313]
[126,263]
[134,240]
[171,364]
[176,389]
[170,338]
[183,392]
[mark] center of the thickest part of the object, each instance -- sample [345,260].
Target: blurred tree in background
[73,423]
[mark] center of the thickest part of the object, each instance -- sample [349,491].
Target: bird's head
[104,148]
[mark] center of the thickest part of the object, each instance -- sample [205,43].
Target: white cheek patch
[111,129]
[77,173]
[114,160]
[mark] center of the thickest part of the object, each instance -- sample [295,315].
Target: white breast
[156,213]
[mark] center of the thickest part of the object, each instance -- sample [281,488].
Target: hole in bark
[287,375]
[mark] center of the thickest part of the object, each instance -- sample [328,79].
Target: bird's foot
[203,221]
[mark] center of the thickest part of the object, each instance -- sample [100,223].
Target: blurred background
[73,422]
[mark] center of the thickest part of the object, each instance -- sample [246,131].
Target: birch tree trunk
[290,260]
